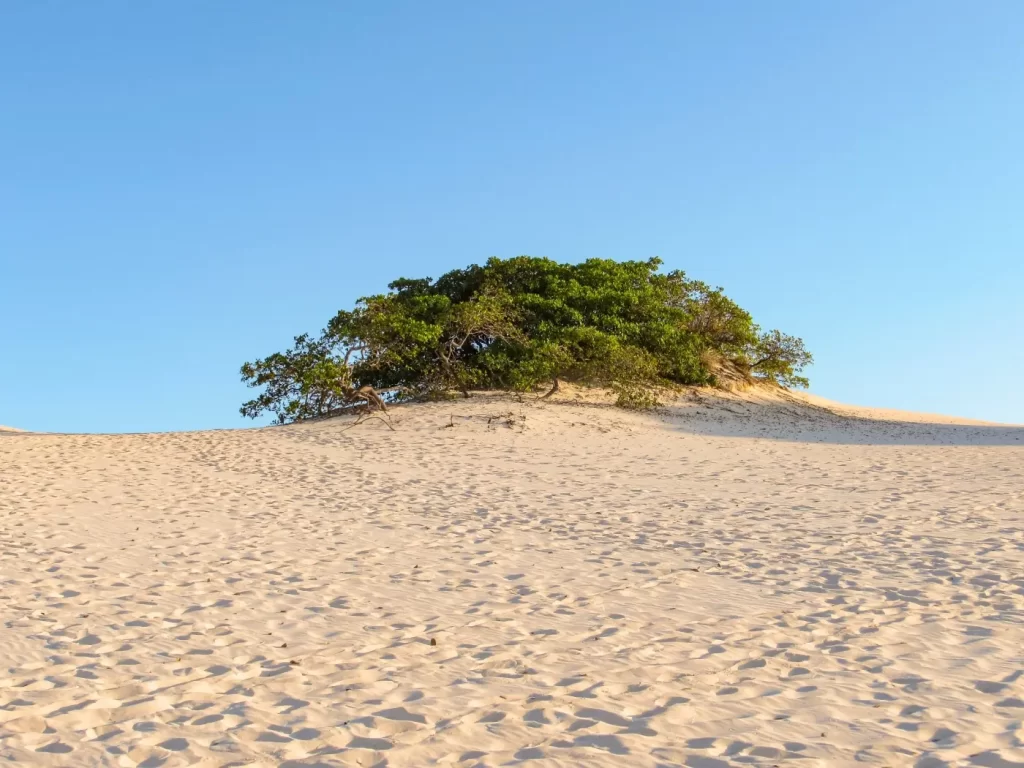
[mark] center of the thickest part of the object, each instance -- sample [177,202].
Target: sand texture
[739,580]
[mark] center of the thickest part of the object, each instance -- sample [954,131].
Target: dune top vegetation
[519,325]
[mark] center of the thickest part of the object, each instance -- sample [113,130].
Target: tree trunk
[373,401]
[554,388]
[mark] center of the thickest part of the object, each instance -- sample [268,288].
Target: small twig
[366,417]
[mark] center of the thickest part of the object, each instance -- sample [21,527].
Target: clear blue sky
[186,185]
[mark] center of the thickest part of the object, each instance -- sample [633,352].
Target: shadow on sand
[793,422]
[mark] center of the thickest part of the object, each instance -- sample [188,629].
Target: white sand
[741,581]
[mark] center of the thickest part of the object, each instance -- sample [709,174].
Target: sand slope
[738,581]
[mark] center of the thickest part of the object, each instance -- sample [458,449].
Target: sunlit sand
[738,579]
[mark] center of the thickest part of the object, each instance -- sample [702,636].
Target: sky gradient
[185,186]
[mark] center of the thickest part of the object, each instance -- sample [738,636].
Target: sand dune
[739,580]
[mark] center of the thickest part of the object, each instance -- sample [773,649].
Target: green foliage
[520,324]
[779,357]
[304,382]
[635,397]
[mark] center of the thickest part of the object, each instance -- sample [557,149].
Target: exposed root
[364,416]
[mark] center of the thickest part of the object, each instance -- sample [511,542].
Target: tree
[716,319]
[779,357]
[521,324]
[303,382]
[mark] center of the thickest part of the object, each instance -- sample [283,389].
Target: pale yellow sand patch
[745,579]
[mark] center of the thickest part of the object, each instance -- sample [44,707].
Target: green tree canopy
[520,324]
